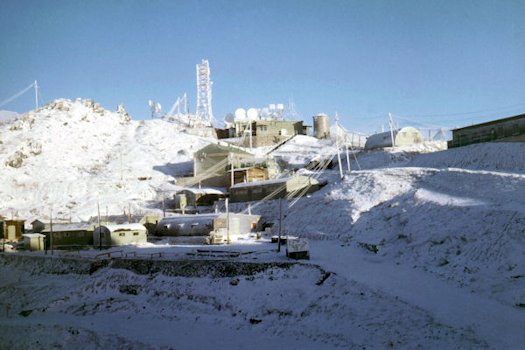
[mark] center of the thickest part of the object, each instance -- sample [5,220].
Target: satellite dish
[150,103]
[240,114]
[252,113]
[158,106]
[229,118]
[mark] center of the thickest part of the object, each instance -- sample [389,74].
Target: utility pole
[347,157]
[346,145]
[36,94]
[227,222]
[280,224]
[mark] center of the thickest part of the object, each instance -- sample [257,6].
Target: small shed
[64,236]
[13,230]
[118,235]
[272,189]
[402,137]
[240,224]
[34,241]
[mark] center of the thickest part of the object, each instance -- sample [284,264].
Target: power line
[18,94]
[456,114]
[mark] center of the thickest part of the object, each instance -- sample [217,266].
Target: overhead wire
[15,96]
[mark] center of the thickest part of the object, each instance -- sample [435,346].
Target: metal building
[117,235]
[205,224]
[33,241]
[67,236]
[402,137]
[511,129]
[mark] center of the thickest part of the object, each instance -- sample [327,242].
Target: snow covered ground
[70,154]
[421,247]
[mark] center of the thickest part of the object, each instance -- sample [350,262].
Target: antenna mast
[391,125]
[204,83]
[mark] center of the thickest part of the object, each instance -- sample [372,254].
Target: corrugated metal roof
[516,117]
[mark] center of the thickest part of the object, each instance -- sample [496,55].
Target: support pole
[347,157]
[280,224]
[227,222]
[232,172]
[337,145]
[51,230]
[251,143]
[36,94]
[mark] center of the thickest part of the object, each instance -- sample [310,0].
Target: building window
[135,233]
[515,129]
[122,234]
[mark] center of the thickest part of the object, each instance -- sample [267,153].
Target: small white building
[402,137]
[34,241]
[117,235]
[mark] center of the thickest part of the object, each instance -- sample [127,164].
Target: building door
[236,226]
[11,233]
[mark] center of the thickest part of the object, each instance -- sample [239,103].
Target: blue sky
[445,63]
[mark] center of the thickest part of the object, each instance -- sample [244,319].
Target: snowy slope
[425,245]
[71,154]
[6,116]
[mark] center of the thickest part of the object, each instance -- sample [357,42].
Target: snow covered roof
[207,190]
[178,218]
[68,227]
[33,235]
[282,180]
[262,183]
[124,227]
[220,148]
[491,122]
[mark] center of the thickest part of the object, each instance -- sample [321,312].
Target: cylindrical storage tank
[321,126]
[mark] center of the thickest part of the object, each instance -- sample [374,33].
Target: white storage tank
[321,126]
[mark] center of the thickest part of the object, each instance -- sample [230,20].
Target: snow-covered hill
[425,245]
[6,116]
[68,155]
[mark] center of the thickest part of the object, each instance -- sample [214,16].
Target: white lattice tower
[204,84]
